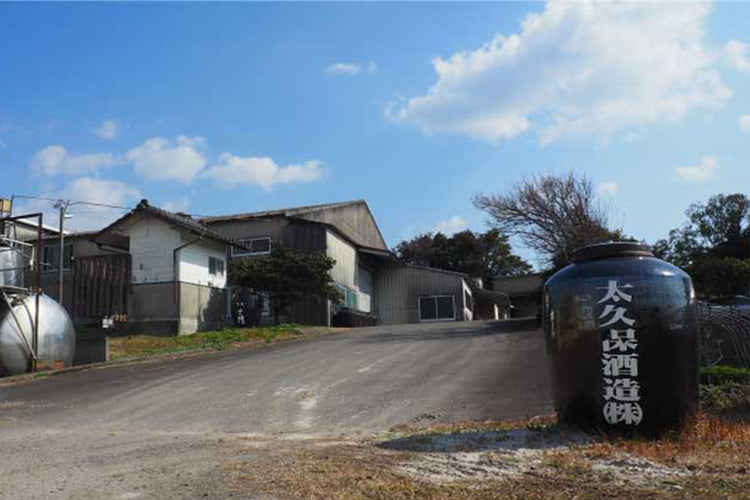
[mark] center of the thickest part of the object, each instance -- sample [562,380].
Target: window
[215,266]
[437,308]
[348,297]
[257,246]
[51,257]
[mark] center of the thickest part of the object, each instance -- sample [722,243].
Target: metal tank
[622,340]
[13,262]
[56,337]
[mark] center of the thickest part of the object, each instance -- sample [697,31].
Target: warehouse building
[166,273]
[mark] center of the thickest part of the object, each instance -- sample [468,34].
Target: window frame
[437,314]
[219,267]
[53,267]
[346,293]
[248,242]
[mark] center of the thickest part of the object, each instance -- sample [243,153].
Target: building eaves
[183,222]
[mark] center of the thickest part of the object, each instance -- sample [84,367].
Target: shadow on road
[491,440]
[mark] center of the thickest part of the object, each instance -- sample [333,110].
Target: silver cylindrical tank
[56,340]
[13,262]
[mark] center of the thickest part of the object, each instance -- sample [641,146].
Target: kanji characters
[622,389]
[618,314]
[629,413]
[620,340]
[614,293]
[622,392]
[615,365]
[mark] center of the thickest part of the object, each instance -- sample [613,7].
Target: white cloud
[85,217]
[54,160]
[737,55]
[451,226]
[108,130]
[576,68]
[608,188]
[164,160]
[352,69]
[744,121]
[703,172]
[233,171]
[180,205]
[347,69]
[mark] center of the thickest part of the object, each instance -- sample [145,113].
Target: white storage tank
[56,337]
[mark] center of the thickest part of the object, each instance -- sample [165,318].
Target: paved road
[151,430]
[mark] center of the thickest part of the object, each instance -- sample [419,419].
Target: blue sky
[230,108]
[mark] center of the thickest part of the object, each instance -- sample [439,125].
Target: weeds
[138,346]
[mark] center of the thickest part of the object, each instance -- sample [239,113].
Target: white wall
[345,255]
[151,245]
[194,262]
[468,313]
[347,271]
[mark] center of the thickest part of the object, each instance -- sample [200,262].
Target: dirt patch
[491,460]
[512,454]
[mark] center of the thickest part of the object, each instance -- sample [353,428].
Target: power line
[74,202]
[94,204]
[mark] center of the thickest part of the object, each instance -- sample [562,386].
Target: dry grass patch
[530,459]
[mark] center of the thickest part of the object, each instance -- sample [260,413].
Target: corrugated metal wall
[398,288]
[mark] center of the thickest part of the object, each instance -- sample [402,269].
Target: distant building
[524,292]
[369,277]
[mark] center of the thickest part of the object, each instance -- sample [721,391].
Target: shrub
[722,374]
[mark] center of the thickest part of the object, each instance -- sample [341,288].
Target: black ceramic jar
[622,341]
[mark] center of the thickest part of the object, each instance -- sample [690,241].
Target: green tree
[484,255]
[286,277]
[720,228]
[713,246]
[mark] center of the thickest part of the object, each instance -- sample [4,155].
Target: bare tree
[553,214]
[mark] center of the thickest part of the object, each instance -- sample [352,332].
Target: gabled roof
[181,221]
[286,212]
[315,213]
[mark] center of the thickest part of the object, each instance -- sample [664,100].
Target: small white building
[178,271]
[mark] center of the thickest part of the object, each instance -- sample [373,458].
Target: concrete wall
[201,308]
[398,288]
[152,309]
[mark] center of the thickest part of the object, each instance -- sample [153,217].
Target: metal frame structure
[37,285]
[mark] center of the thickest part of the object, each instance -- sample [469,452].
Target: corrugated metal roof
[286,212]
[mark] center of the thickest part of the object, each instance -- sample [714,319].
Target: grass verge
[140,346]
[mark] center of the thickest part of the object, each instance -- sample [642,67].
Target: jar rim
[612,249]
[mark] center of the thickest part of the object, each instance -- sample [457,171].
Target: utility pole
[62,205]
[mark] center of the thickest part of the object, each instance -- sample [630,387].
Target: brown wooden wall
[100,286]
